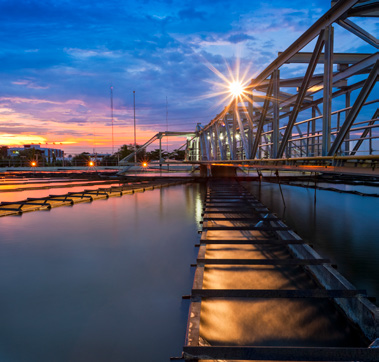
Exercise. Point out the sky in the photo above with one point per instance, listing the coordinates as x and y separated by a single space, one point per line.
59 60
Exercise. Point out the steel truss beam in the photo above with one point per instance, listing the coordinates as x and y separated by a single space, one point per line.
220 143
371 9
328 90
338 58
296 82
263 118
262 127
365 133
327 19
364 93
230 143
302 92
358 31
355 69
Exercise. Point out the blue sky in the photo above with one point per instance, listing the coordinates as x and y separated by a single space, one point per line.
59 58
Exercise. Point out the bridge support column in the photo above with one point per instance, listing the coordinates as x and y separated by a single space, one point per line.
217 171
328 90
160 152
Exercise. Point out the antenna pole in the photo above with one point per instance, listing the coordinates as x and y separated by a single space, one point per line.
135 134
167 124
112 118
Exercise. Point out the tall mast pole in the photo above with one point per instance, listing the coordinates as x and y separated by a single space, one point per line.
112 118
167 124
135 134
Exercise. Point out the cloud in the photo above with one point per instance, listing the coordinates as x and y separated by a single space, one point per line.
62 57
76 120
29 84
88 53
240 37
18 100
6 110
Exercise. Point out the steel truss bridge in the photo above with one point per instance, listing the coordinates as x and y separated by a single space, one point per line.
322 120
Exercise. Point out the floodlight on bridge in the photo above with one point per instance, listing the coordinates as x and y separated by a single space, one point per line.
236 89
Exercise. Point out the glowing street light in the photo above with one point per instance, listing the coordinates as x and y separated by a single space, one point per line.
144 164
91 163
33 163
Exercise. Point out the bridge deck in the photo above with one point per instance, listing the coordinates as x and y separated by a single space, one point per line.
252 295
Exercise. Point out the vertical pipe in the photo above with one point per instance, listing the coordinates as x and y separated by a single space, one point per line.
221 145
251 123
244 141
275 122
216 142
338 120
160 151
313 126
328 88
347 104
207 145
235 105
307 150
213 151
230 143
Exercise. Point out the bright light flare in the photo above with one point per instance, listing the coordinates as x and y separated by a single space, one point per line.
33 163
233 87
144 164
91 163
236 88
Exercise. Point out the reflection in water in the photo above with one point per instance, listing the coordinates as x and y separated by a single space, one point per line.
268 322
199 207
342 227
262 321
31 184
100 281
23 195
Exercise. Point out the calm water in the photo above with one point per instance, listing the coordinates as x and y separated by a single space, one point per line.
341 227
103 281
100 281
23 195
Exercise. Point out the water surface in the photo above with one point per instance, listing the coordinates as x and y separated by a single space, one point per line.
342 227
100 281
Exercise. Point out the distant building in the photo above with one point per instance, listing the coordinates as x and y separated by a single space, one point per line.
49 154
4 151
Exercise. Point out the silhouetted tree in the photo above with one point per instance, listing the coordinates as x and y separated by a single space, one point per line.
126 150
178 155
30 155
154 155
81 160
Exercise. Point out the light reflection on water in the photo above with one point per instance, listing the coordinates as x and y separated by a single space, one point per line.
29 184
100 281
342 227
23 195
